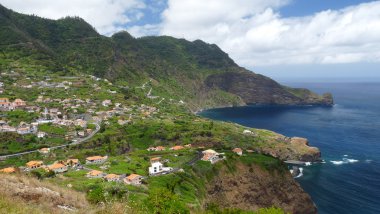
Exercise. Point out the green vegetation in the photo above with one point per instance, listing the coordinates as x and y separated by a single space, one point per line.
52 129
17 116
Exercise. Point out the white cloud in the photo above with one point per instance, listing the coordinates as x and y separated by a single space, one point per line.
254 33
107 16
144 30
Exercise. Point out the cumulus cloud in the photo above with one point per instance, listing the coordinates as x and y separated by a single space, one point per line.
107 16
254 33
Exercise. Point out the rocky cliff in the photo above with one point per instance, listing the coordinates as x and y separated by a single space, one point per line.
250 187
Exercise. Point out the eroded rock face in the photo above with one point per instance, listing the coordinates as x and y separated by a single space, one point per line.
294 148
310 154
258 89
251 188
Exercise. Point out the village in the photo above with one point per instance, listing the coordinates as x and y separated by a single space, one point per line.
94 166
64 117
77 118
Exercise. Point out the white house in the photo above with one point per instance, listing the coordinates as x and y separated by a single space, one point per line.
157 167
44 150
247 131
96 159
112 177
211 155
95 174
133 179
57 168
106 103
41 134
238 151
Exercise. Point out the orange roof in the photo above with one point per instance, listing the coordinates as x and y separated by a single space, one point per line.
159 148
19 100
155 159
207 156
209 151
177 147
72 161
95 158
44 149
111 176
34 163
133 176
4 99
56 166
8 170
94 173
237 150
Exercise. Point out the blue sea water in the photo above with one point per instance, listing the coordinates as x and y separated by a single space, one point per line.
348 134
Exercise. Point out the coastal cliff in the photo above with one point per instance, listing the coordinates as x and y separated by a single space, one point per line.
295 148
250 187
258 89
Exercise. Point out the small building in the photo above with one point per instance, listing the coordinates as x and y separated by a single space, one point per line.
238 151
72 162
133 179
8 170
44 150
246 131
210 155
95 174
151 149
157 167
58 168
19 103
158 148
25 130
96 159
175 148
112 177
41 134
106 103
81 133
34 164
5 104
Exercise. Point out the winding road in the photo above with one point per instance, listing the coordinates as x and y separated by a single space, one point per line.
74 142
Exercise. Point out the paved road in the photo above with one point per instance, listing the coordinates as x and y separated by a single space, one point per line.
74 142
195 159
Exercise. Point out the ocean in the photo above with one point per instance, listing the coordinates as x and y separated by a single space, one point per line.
348 135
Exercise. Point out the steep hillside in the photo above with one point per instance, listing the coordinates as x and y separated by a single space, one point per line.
201 74
249 187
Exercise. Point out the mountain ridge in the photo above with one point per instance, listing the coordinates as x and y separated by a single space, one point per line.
198 73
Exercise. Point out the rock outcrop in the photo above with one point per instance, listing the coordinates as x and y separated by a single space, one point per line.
286 148
251 188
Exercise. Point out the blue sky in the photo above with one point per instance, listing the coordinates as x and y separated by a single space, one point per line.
279 38
308 7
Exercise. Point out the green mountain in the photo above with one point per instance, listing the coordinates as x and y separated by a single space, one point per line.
200 74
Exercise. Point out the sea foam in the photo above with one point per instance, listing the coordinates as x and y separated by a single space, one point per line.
344 161
300 174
